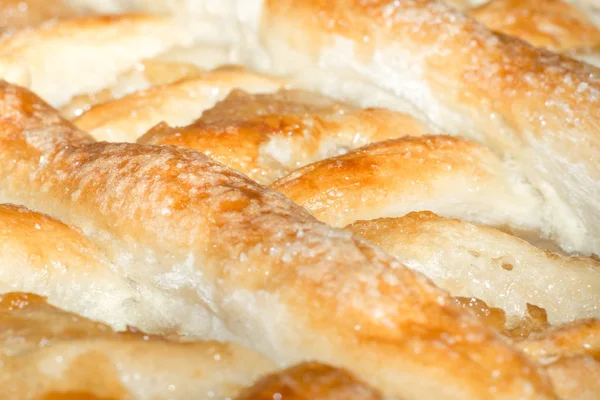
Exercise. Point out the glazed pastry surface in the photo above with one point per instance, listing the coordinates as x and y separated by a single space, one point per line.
314 199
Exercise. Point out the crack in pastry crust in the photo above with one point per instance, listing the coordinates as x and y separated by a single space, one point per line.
477 261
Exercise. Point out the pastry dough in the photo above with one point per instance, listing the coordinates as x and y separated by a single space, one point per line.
447 175
268 136
62 59
471 260
152 233
48 353
537 108
178 103
551 24
232 252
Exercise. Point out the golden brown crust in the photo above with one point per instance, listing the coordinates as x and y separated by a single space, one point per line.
178 103
309 381
60 59
536 107
143 75
266 136
208 238
472 260
330 296
571 355
18 14
551 24
23 111
447 175
52 354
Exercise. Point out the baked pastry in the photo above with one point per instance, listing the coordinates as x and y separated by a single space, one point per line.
529 105
64 356
484 128
551 24
471 260
19 14
496 92
237 251
267 136
49 353
104 46
447 175
127 118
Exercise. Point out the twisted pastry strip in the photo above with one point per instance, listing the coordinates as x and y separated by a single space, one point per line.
551 24
455 178
46 257
266 136
48 353
530 105
178 103
250 265
51 354
143 75
61 59
450 176
536 107
506 272
43 256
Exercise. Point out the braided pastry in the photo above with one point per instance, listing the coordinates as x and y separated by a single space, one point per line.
231 252
429 229
532 106
64 356
268 136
